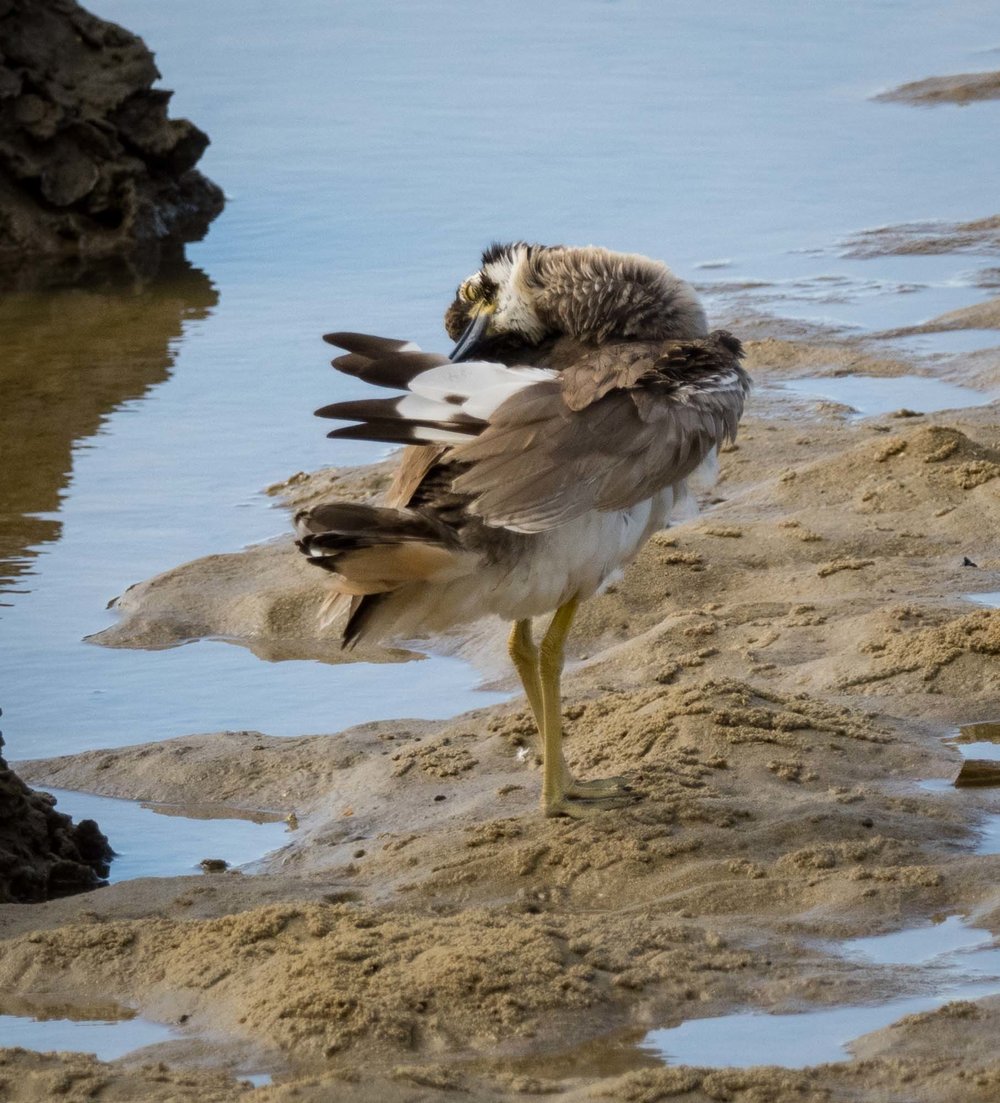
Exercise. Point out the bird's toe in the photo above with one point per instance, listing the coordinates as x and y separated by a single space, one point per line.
598 787
585 808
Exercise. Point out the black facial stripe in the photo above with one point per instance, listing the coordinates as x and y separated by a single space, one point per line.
499 251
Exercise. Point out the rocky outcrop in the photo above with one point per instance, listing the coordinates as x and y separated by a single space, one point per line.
92 171
42 852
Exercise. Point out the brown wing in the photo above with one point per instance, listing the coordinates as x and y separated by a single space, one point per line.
554 451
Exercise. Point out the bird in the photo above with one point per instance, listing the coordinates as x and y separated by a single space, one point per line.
583 391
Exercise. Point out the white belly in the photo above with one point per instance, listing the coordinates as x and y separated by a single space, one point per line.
577 558
548 569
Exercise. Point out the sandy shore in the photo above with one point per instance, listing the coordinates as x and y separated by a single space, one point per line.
960 88
773 678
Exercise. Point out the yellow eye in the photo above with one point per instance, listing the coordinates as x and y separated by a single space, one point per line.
470 291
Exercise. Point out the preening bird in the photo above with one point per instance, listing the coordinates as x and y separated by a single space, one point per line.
583 392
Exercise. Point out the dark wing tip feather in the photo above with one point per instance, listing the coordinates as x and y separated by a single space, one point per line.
351 363
387 409
396 431
365 343
396 370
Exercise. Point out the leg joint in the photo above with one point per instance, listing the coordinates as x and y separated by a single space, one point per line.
520 646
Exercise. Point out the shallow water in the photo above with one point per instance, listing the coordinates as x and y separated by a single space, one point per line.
990 599
107 1038
918 945
162 840
949 342
108 1032
977 743
979 740
954 966
368 159
869 395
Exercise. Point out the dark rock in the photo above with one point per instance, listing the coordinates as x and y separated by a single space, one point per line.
42 852
92 168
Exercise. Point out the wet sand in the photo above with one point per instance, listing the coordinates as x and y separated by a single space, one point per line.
774 679
960 88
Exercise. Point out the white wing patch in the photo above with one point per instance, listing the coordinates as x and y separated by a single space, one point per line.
444 404
476 387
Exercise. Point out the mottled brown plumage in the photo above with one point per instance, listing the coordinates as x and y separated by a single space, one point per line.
534 473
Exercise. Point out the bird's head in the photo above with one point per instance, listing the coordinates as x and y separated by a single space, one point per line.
524 294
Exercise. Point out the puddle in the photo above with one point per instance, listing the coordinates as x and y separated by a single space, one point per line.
979 745
869 395
150 845
108 1032
978 741
918 944
991 599
955 966
792 1041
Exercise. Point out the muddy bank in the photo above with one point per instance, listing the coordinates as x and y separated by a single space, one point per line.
93 172
42 852
770 678
981 235
978 316
773 678
960 88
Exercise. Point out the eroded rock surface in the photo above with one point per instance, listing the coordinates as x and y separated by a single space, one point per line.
42 852
91 168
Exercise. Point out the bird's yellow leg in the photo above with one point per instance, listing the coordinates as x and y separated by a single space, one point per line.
524 655
558 786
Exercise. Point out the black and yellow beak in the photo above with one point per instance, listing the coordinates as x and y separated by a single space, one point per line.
472 336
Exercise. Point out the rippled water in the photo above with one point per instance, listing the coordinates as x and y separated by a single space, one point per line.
369 151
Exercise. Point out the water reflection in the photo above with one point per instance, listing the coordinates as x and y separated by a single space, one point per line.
109 1031
146 846
70 357
960 968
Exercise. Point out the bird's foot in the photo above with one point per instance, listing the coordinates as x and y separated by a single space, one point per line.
582 809
597 787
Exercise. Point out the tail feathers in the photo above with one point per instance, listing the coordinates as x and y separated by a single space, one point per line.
442 403
365 344
393 370
373 550
409 417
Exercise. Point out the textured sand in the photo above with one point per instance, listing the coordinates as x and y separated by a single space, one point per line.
772 677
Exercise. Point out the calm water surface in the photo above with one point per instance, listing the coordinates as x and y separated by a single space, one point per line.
369 151
108 1038
958 962
138 830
